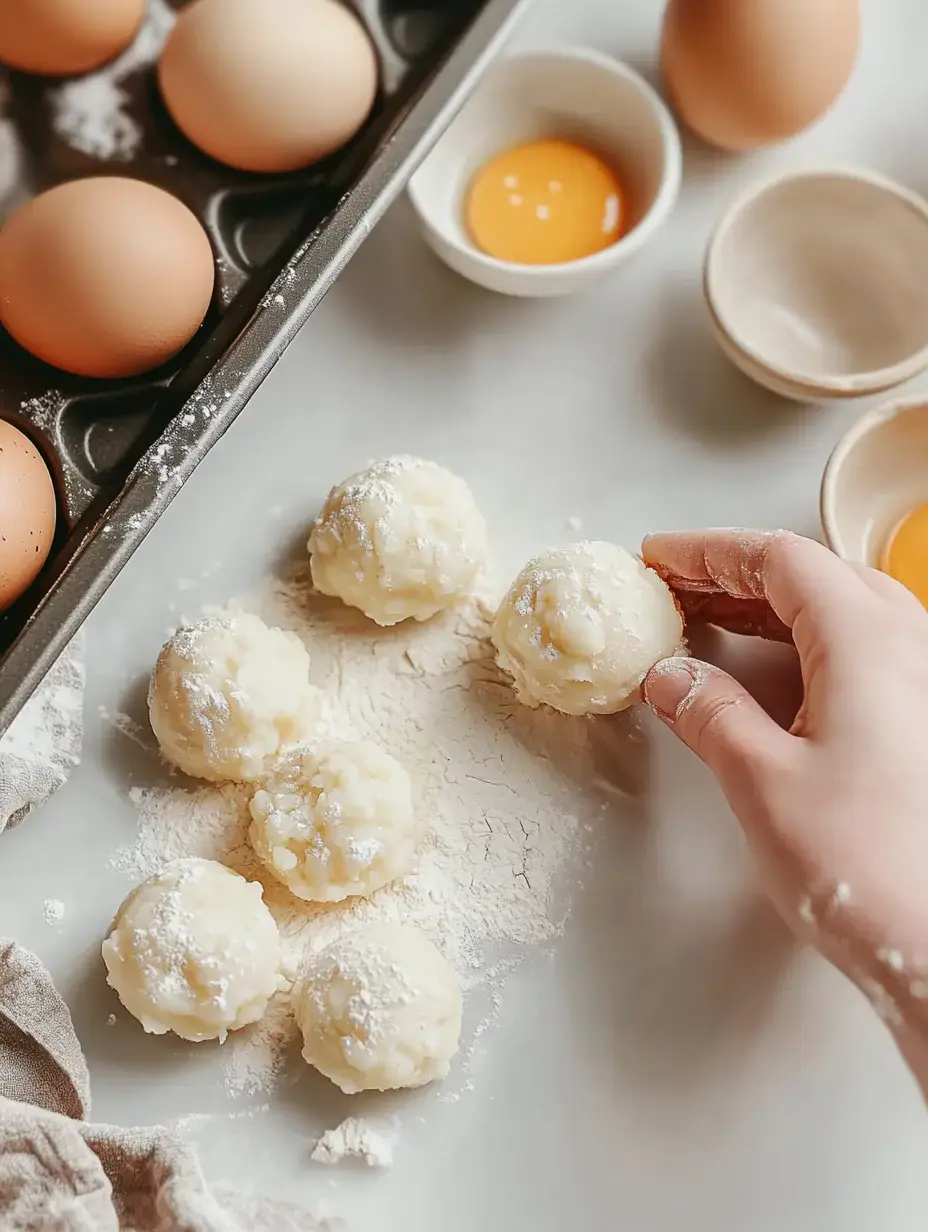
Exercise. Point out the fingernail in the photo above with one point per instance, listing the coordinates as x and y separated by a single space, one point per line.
668 686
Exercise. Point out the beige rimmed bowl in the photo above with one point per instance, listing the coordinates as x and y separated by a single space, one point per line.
817 284
877 474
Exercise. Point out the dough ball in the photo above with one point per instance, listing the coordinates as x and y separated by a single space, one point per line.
336 820
402 539
379 1009
194 950
582 626
268 85
229 694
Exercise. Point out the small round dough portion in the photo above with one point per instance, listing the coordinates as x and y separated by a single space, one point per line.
335 820
581 627
228 695
380 1009
194 950
402 539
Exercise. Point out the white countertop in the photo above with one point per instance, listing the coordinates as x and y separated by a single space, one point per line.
673 1061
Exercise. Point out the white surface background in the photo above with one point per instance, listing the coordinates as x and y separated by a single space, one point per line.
674 1061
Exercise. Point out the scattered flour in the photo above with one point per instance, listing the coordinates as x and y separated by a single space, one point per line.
893 959
193 1124
44 410
90 113
127 726
499 787
53 911
841 896
356 1138
43 743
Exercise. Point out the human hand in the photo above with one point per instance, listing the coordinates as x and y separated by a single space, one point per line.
836 809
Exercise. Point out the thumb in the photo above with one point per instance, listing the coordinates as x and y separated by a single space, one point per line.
720 721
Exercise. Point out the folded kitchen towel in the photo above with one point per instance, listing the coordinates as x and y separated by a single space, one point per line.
60 1173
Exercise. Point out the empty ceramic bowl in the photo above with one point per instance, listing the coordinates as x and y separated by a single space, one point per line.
877 474
575 94
817 284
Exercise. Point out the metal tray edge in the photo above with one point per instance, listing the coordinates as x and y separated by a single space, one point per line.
106 549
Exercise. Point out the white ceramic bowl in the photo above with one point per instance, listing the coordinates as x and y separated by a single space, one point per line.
574 93
817 284
877 474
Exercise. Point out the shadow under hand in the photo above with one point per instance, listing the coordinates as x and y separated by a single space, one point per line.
695 994
769 671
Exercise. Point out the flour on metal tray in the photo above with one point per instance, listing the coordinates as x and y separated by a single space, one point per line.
91 113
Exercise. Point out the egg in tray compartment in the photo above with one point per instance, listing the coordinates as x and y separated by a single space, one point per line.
141 244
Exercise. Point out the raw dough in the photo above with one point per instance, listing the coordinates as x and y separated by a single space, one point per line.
582 626
379 1009
194 950
335 820
229 694
401 539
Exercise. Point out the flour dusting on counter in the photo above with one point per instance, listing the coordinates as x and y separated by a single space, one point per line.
499 788
356 1138
53 910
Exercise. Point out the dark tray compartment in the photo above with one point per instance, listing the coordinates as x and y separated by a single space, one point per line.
121 450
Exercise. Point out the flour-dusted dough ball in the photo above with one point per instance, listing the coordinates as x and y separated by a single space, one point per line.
229 695
379 1009
402 539
194 950
335 820
582 626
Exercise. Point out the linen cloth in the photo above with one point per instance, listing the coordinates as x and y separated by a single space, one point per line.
60 1173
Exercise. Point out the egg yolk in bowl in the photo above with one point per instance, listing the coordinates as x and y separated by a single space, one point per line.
544 203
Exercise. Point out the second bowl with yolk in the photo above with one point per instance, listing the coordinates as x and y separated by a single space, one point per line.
561 166
874 496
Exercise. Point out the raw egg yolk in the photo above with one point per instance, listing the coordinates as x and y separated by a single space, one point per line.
543 203
905 556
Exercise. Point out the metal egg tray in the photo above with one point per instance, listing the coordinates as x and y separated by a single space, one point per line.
120 450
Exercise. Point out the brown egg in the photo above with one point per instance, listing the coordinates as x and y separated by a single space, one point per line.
27 513
269 86
66 36
104 277
748 73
